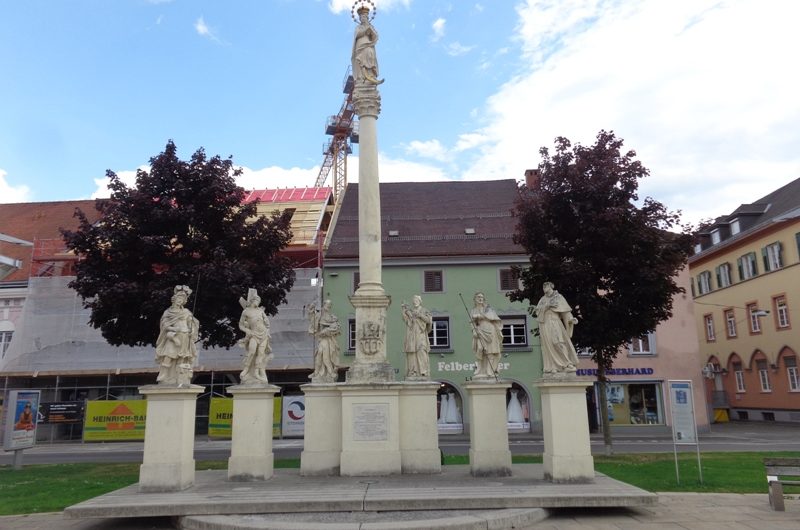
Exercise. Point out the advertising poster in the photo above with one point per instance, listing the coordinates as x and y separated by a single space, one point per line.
294 415
22 418
220 417
684 430
62 412
114 420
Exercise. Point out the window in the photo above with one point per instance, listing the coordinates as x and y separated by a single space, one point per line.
739 375
645 345
763 375
440 332
697 248
755 324
730 323
432 282
735 227
724 275
509 279
781 312
704 282
351 334
772 256
748 266
5 341
515 331
583 352
791 371
356 280
709 321
715 236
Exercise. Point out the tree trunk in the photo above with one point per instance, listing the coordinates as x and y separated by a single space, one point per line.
602 381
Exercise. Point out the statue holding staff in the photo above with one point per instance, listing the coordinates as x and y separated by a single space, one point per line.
256 341
176 352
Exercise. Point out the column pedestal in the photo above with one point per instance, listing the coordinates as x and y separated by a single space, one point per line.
489 455
419 431
370 429
168 461
322 441
565 424
251 440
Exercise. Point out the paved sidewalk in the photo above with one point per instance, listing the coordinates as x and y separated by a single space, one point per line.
685 511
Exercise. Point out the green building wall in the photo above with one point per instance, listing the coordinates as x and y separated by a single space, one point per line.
521 365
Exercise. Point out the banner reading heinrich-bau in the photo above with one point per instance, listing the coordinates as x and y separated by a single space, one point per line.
114 420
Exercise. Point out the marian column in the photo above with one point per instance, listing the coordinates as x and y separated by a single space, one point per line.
370 300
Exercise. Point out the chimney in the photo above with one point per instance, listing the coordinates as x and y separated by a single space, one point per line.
531 178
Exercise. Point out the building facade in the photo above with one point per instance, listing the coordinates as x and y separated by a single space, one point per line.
444 241
746 285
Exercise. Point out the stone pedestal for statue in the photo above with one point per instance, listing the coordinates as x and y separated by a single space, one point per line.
489 455
322 440
370 429
419 431
565 424
251 439
168 461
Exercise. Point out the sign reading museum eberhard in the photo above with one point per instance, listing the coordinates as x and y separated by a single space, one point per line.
370 422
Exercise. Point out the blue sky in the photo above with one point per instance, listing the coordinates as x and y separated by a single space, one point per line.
704 90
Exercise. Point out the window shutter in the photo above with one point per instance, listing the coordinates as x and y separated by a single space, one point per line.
433 281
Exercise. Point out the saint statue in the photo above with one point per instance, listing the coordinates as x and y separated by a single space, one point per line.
416 344
487 338
255 324
364 59
324 326
176 352
555 331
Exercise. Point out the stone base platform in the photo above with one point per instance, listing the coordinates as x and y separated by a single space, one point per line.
288 493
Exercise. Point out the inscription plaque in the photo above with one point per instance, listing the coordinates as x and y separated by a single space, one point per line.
371 422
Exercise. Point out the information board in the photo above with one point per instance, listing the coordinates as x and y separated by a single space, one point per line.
684 429
371 422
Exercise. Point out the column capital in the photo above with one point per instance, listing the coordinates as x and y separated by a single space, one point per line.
367 101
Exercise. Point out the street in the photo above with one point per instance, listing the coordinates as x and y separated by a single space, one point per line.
733 436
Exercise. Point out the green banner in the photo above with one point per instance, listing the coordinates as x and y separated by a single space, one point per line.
220 417
114 420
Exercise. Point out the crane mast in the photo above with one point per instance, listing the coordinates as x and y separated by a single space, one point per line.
343 131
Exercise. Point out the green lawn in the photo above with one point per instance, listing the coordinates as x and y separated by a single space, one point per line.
47 488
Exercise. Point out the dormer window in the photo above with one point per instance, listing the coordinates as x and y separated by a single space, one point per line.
716 237
735 227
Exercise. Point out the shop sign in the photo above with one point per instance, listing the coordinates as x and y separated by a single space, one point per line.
114 420
21 419
294 415
617 371
62 412
220 417
456 366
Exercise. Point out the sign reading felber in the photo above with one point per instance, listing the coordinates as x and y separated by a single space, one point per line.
114 420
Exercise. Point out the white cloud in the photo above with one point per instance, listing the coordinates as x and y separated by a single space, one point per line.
707 108
11 194
428 149
456 48
468 141
128 177
337 6
204 30
438 29
278 177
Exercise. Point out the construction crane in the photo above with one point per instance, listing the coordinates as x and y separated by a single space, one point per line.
343 130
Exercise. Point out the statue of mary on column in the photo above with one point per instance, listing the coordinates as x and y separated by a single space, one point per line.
364 58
